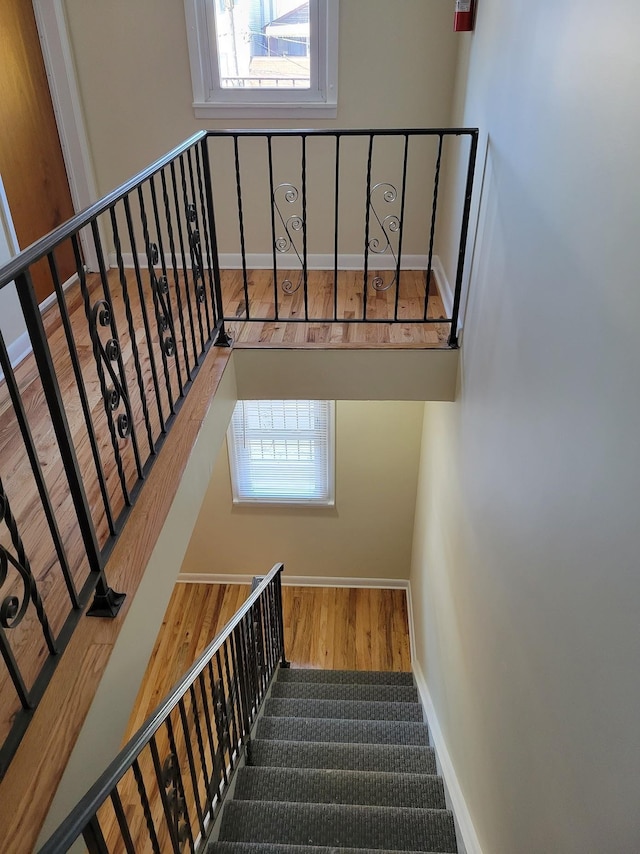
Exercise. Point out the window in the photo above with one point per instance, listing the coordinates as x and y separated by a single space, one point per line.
282 451
252 58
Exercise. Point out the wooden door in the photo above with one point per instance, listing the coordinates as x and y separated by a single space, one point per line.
31 162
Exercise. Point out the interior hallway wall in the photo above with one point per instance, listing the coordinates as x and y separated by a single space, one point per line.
396 69
525 569
368 532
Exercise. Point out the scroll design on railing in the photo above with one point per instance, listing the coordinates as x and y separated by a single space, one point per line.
164 319
390 225
196 252
105 355
293 225
13 606
175 800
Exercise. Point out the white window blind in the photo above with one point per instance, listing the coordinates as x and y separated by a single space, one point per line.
282 451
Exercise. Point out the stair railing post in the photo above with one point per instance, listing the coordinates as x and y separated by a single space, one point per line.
46 369
223 339
453 334
280 617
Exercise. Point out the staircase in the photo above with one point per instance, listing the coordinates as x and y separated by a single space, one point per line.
340 763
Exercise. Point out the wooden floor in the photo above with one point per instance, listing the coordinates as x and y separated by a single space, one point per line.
334 628
327 298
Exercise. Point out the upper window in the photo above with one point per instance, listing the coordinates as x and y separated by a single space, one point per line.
252 58
282 451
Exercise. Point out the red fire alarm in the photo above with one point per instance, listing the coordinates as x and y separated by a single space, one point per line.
463 20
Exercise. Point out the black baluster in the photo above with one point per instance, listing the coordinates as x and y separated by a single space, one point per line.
187 290
223 339
453 335
144 800
403 194
94 838
32 454
196 238
218 313
132 329
432 231
196 271
335 236
44 363
180 787
241 223
145 316
152 260
304 228
122 821
174 267
113 352
82 392
165 778
273 232
365 283
163 291
191 759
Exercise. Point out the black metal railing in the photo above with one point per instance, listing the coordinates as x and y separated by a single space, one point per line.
361 205
174 773
82 420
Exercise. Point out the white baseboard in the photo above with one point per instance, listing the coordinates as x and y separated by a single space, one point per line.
469 837
444 286
298 581
264 261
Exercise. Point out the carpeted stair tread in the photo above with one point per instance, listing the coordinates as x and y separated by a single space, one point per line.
402 828
291 707
372 788
261 848
352 732
407 759
344 691
349 677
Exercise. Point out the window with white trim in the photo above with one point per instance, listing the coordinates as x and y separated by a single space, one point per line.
282 451
253 58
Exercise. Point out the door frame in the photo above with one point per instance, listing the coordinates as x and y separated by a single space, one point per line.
52 27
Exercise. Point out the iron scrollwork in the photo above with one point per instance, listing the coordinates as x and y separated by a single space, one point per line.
13 606
175 800
109 352
160 286
390 225
293 225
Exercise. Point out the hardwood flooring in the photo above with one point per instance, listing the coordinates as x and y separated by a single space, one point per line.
343 299
332 628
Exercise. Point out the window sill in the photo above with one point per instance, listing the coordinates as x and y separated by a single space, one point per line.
305 110
263 502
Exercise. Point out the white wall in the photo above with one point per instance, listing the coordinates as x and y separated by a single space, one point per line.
12 323
525 569
396 69
366 535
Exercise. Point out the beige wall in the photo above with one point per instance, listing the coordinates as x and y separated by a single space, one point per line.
525 571
368 532
396 69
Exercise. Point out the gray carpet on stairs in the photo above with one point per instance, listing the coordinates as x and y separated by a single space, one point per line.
340 764
351 732
261 848
342 691
289 707
348 677
314 785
